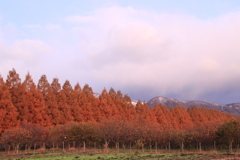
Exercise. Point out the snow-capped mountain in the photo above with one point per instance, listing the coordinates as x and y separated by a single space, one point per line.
234 105
96 95
233 108
169 102
134 102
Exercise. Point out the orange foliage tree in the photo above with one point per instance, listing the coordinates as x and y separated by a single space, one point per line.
35 103
50 100
18 95
8 112
183 119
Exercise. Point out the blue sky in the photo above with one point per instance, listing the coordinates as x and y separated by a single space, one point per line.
184 49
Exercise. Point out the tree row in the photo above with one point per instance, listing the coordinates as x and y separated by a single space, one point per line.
51 104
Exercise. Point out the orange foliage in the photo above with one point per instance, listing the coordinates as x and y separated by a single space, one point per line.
50 105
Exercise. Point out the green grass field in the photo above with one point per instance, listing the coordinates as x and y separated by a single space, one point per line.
122 156
112 154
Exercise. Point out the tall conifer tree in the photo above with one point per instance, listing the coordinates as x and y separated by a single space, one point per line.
18 95
50 100
35 102
8 112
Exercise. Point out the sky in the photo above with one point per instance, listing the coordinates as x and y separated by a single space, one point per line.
186 49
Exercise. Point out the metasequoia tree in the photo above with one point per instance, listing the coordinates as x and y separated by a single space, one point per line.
50 100
183 119
172 123
89 104
35 103
65 102
77 110
107 106
64 108
117 99
197 115
44 86
8 112
57 103
68 91
18 95
161 117
123 105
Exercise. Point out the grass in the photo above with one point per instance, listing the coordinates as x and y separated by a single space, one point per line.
129 157
114 155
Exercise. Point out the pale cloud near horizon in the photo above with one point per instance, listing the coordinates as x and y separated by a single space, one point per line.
79 19
53 27
33 26
165 52
22 54
47 27
133 49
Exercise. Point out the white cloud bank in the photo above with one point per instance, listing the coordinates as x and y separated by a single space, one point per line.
22 54
171 54
131 49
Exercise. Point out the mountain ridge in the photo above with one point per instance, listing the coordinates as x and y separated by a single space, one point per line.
233 108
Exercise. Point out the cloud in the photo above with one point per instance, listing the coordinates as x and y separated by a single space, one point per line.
23 52
140 52
53 27
171 54
79 19
33 26
48 27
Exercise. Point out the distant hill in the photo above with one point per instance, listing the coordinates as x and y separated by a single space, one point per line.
233 109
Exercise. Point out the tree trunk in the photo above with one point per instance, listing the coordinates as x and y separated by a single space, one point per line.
26 148
150 146
200 147
53 146
143 148
44 146
84 146
130 147
118 147
29 146
34 148
123 145
182 147
105 148
17 148
73 144
9 149
155 147
106 145
230 147
169 147
214 143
